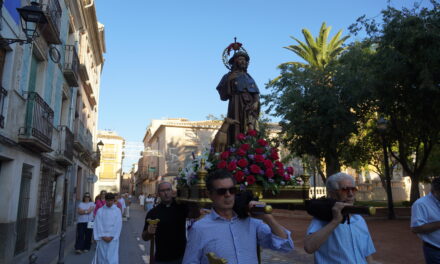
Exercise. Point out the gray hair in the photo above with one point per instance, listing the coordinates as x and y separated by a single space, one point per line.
163 182
333 181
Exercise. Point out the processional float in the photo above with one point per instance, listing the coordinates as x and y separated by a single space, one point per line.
243 150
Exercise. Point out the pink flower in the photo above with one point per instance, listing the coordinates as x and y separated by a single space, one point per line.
252 133
259 158
222 164
239 175
242 163
255 169
245 147
286 177
269 173
225 155
268 164
241 136
241 152
262 142
290 170
232 166
250 179
259 150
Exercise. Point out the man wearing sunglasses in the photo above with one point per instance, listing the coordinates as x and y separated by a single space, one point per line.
226 235
334 241
425 222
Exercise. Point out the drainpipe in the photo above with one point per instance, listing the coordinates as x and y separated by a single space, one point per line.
63 222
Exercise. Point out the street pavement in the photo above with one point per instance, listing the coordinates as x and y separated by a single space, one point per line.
133 250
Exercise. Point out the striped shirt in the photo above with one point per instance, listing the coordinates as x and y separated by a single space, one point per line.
234 240
424 211
348 243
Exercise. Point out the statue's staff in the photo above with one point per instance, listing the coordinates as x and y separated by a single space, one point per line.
153 237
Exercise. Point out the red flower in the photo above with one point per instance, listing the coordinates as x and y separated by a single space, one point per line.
286 177
259 150
245 147
280 171
279 164
262 142
222 164
269 173
232 166
241 136
241 152
242 163
239 175
252 133
274 155
255 169
268 164
259 158
225 155
290 170
250 179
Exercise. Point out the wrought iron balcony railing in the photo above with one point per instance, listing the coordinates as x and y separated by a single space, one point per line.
52 11
37 131
71 65
3 94
64 153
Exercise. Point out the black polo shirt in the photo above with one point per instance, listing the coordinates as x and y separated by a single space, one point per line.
170 233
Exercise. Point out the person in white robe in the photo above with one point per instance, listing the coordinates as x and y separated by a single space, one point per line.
106 231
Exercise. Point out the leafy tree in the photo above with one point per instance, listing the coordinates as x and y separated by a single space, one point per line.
404 82
314 120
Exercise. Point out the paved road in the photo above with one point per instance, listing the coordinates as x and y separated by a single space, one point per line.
132 249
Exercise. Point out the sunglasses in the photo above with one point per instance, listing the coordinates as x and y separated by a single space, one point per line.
348 189
222 191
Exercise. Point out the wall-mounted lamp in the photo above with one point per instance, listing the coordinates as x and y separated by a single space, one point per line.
31 16
100 146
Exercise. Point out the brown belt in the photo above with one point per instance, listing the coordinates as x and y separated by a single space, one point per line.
426 244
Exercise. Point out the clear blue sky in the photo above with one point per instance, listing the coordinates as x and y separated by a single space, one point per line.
164 57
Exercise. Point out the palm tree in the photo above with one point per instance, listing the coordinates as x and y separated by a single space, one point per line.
317 53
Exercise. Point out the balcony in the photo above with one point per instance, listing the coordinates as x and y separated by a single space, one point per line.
83 139
64 153
37 132
52 12
3 94
71 66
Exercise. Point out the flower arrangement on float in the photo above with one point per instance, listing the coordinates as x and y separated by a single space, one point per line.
188 175
251 160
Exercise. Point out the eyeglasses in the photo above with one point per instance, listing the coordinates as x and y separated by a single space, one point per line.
348 189
222 191
165 190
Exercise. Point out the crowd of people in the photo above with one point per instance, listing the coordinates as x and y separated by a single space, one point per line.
225 233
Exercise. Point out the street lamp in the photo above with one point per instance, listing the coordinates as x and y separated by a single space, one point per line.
100 146
382 127
31 16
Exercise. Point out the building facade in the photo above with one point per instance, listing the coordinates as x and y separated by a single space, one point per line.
110 169
49 92
169 145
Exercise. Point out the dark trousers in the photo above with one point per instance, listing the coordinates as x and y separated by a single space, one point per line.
432 254
83 237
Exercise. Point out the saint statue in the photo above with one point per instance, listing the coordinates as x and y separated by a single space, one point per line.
240 89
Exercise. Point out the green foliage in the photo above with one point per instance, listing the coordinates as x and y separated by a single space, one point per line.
318 53
404 82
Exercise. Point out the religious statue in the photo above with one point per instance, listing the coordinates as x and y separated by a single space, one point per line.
240 89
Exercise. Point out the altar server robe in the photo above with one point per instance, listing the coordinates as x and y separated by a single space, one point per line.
108 223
